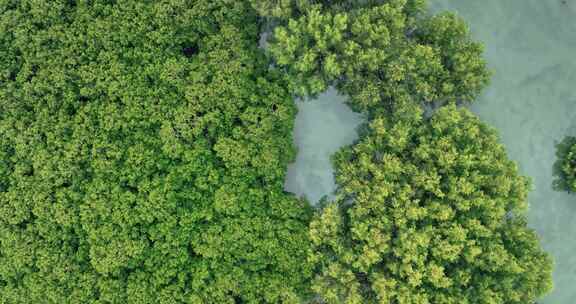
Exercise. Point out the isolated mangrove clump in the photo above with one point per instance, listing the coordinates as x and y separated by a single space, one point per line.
565 166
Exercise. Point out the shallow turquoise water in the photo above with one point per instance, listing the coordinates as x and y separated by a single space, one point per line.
531 47
323 125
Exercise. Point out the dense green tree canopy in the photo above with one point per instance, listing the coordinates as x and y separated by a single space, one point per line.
429 211
380 51
143 147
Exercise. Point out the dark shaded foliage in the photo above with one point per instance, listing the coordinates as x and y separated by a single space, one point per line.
190 51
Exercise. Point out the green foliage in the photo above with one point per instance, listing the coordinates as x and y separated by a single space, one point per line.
565 166
466 73
143 148
428 211
279 8
144 145
380 51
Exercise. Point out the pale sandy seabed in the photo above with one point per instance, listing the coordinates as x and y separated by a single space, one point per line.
531 47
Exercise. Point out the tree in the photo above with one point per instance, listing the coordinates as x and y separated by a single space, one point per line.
279 8
380 51
565 166
466 74
428 211
143 149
